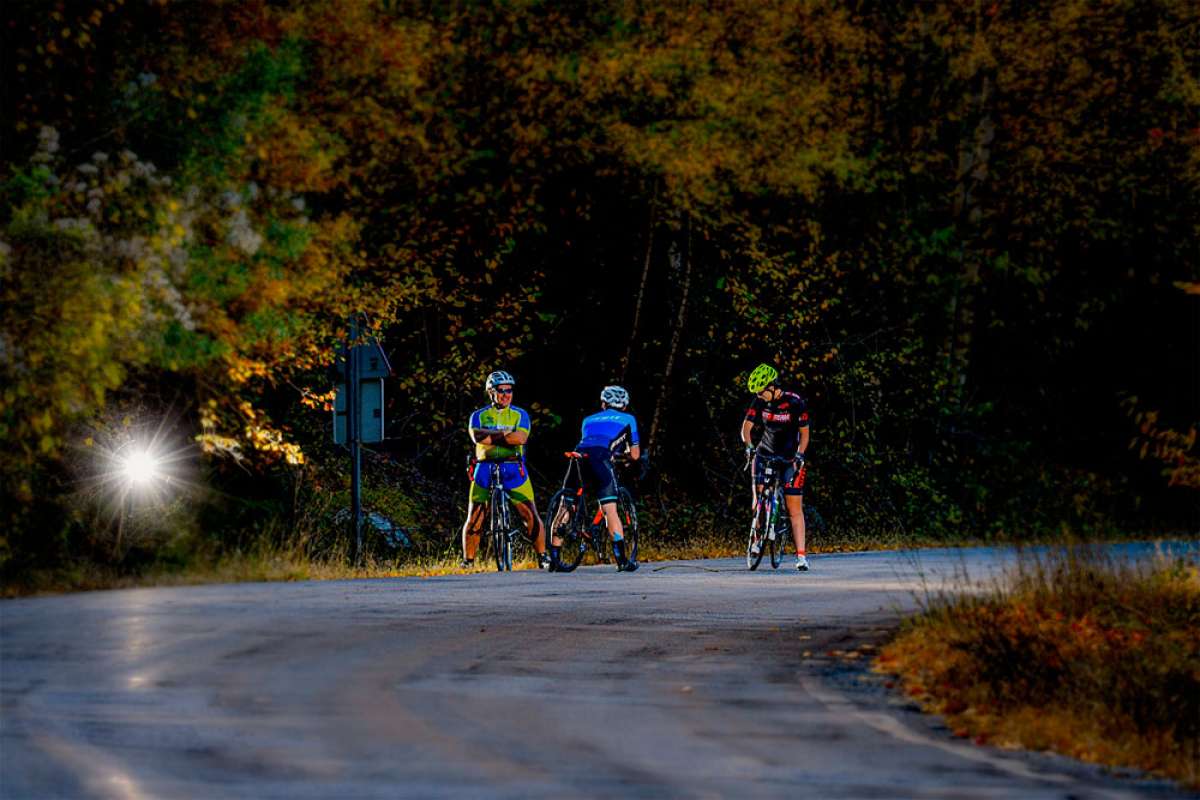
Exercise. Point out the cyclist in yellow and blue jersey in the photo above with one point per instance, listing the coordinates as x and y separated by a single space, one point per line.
499 432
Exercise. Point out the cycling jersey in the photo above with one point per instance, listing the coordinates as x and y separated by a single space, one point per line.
512 418
781 421
610 429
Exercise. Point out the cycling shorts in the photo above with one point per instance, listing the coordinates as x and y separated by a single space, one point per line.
513 477
793 479
598 475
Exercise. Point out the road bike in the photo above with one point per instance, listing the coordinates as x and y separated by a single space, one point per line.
567 519
504 525
770 527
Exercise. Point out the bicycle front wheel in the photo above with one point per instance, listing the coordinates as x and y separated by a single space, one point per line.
498 533
563 522
627 512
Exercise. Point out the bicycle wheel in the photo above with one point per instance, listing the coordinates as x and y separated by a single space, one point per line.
783 531
498 531
600 537
758 527
563 521
627 512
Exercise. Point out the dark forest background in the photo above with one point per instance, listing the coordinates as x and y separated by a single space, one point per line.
968 232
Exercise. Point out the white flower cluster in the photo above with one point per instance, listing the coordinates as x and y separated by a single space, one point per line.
241 233
106 193
100 185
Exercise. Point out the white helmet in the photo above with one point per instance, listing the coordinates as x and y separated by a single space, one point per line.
614 396
497 378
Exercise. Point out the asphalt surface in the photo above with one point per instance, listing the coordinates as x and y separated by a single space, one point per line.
684 679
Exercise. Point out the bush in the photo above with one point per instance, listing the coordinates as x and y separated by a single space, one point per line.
1078 652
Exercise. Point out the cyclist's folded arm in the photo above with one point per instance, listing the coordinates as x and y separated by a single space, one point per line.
486 434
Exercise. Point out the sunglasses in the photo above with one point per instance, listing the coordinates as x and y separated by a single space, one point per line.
503 391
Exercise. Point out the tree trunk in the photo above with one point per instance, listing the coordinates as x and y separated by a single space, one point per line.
675 336
973 160
637 308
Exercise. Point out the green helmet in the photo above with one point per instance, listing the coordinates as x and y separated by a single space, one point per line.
762 377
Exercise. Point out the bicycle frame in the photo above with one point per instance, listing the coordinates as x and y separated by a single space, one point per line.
501 530
764 525
591 531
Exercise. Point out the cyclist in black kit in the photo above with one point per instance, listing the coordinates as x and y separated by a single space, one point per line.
783 417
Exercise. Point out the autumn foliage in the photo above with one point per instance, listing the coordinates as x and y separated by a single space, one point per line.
957 226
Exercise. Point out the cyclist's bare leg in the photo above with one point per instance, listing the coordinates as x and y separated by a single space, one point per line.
795 509
472 528
612 519
533 525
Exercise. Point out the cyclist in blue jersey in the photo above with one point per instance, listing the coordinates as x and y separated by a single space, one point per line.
499 432
603 433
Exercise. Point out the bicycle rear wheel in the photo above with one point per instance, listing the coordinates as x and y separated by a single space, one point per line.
563 520
758 528
498 531
627 512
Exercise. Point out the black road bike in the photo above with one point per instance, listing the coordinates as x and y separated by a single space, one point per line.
567 519
505 526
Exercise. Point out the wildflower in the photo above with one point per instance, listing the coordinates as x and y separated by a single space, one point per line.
242 236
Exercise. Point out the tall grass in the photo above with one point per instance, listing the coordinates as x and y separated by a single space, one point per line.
1076 652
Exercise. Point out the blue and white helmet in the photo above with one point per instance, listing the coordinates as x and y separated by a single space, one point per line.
614 397
499 378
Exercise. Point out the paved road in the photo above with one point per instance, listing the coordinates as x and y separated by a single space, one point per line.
685 679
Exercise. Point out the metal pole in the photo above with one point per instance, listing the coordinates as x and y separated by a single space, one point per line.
352 438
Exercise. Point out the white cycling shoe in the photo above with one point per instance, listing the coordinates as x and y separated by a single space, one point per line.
801 564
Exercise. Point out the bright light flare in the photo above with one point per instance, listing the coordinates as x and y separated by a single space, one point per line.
138 467
141 467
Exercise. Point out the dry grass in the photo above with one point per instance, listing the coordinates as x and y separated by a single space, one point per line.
1077 653
292 564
